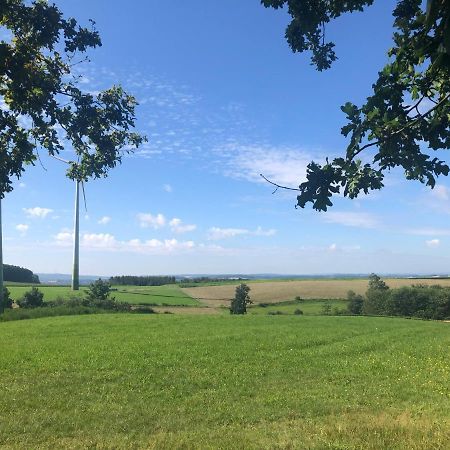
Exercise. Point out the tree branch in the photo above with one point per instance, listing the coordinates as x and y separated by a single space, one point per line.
278 186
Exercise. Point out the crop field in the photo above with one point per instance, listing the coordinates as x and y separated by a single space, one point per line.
158 295
168 381
279 291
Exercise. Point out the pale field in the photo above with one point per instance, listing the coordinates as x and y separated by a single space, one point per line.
278 291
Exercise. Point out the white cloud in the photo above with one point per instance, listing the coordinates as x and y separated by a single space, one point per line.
282 166
168 188
332 247
105 241
177 226
104 220
149 220
22 185
433 243
429 231
351 219
22 228
260 232
216 233
37 212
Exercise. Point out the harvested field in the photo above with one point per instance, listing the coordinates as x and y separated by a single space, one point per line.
278 291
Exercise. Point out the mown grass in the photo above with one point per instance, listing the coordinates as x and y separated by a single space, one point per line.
155 295
167 381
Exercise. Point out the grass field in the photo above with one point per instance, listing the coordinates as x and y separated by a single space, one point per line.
158 295
308 307
278 291
167 381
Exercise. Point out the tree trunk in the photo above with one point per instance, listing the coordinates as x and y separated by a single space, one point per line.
76 242
2 300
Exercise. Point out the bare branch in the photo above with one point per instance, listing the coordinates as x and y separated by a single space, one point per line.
278 186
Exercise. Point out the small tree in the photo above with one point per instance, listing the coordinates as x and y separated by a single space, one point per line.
355 303
7 300
326 308
32 299
241 300
376 296
99 290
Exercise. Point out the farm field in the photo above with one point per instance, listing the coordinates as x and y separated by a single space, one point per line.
279 291
158 295
167 381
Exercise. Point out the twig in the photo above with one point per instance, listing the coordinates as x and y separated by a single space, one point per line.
278 186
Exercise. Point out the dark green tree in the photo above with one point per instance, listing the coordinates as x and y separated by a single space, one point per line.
241 300
377 296
405 120
355 303
44 108
32 299
99 290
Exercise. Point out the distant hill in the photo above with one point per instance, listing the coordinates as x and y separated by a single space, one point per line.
65 279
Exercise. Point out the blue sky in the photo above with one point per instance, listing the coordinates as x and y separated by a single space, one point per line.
222 99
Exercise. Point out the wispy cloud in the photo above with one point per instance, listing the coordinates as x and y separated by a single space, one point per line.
216 233
429 231
433 243
147 220
37 212
351 219
104 220
284 166
108 242
168 188
22 228
177 226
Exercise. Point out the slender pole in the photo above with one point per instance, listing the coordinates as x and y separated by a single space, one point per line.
2 304
76 242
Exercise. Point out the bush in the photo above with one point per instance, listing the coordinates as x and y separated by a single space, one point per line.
355 303
326 308
275 313
99 290
32 299
298 312
241 300
298 299
143 310
7 300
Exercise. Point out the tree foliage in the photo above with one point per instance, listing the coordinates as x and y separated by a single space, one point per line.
241 300
33 298
142 280
42 105
19 274
407 118
98 290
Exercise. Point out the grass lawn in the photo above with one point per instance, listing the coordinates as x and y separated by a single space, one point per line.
158 295
168 381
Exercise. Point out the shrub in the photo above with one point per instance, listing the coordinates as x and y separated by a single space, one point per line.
275 313
298 299
143 310
355 303
241 299
32 299
298 312
99 290
326 308
7 300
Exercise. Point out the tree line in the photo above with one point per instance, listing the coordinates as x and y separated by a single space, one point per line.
142 280
425 302
19 274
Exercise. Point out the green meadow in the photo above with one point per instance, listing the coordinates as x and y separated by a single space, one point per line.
255 381
156 295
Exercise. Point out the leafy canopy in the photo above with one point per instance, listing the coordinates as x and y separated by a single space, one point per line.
41 105
407 118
